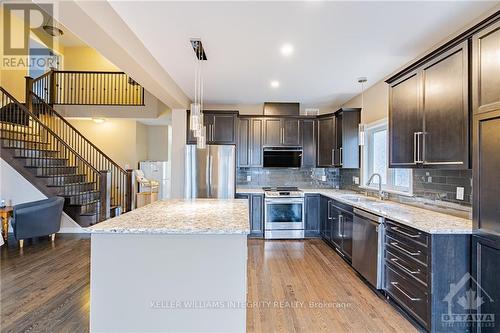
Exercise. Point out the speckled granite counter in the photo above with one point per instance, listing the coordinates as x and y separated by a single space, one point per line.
250 190
418 218
199 216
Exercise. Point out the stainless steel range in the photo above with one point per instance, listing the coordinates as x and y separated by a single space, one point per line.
283 213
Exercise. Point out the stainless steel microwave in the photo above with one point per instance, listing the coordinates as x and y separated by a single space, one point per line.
282 157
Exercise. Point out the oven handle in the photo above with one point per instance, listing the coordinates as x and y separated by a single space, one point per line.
286 201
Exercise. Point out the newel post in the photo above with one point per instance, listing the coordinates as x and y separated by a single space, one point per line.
52 87
105 197
28 99
130 191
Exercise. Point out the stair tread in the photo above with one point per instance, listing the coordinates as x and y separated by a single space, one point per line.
20 132
62 174
85 204
43 158
34 149
24 140
51 166
79 193
72 184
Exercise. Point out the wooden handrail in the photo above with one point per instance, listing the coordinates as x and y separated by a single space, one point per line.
40 100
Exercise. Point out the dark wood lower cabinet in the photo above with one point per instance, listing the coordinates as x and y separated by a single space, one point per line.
256 212
486 273
312 204
336 225
428 276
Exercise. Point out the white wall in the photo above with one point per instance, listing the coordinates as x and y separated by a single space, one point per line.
376 103
178 152
158 143
15 189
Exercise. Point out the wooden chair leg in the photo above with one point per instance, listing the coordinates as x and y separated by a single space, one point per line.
21 243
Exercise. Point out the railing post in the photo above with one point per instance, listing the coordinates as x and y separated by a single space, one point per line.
52 87
28 99
130 191
105 198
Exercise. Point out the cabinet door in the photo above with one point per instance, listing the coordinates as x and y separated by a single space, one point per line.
486 168
326 141
308 139
337 232
257 221
485 271
243 142
222 129
312 203
347 225
486 69
337 153
291 131
272 132
445 109
405 122
324 210
349 151
256 126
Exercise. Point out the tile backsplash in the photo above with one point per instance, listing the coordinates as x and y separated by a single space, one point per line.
304 177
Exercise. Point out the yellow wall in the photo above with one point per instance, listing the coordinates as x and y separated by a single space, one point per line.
84 58
376 103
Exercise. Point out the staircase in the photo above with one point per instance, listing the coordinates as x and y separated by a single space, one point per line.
59 161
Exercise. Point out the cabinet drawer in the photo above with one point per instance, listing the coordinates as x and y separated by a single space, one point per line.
401 247
408 233
407 294
412 268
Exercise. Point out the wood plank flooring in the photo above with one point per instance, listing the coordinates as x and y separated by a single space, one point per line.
293 286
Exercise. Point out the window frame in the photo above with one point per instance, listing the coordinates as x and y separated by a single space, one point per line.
366 133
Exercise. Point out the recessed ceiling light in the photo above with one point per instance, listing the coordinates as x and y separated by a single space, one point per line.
287 49
53 31
275 84
98 120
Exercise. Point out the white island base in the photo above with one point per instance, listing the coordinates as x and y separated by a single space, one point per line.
168 282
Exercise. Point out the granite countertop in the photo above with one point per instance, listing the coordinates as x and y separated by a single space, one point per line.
257 190
418 218
179 216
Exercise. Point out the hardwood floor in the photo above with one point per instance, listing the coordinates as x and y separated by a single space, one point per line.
294 286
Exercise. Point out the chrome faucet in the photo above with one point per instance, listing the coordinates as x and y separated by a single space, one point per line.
381 194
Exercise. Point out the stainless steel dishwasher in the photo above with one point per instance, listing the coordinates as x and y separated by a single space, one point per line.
367 246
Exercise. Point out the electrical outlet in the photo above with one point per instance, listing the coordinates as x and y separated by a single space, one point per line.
429 179
355 180
249 178
323 178
460 193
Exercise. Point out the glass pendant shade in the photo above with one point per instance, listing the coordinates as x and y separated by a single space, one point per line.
201 141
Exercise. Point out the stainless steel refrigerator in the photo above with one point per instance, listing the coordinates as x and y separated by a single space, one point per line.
210 172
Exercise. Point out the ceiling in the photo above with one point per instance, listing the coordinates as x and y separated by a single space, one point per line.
334 43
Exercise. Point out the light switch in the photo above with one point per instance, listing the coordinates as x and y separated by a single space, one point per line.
355 180
249 178
460 193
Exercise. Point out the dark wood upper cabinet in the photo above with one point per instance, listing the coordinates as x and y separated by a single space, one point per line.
347 151
405 121
445 106
221 127
486 69
250 142
308 142
282 132
326 141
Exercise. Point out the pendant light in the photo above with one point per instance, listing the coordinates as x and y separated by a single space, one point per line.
196 121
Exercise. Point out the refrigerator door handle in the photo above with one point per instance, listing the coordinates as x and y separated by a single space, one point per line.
210 172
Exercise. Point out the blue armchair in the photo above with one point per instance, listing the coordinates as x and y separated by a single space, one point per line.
38 218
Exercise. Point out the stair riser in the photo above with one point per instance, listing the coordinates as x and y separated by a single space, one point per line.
20 136
83 198
40 162
75 189
24 144
61 180
54 171
34 153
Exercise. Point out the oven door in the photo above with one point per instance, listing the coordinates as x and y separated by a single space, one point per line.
284 214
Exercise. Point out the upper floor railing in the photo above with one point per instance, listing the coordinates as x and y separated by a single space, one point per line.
87 88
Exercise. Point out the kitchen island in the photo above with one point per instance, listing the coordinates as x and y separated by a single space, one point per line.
174 265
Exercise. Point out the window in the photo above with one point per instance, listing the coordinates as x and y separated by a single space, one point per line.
375 159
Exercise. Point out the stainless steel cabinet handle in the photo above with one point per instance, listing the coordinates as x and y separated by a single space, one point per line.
396 262
341 222
395 284
415 147
405 233
329 210
405 250
333 156
341 158
213 132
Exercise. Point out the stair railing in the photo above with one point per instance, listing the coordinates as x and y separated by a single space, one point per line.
24 131
88 88
121 182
